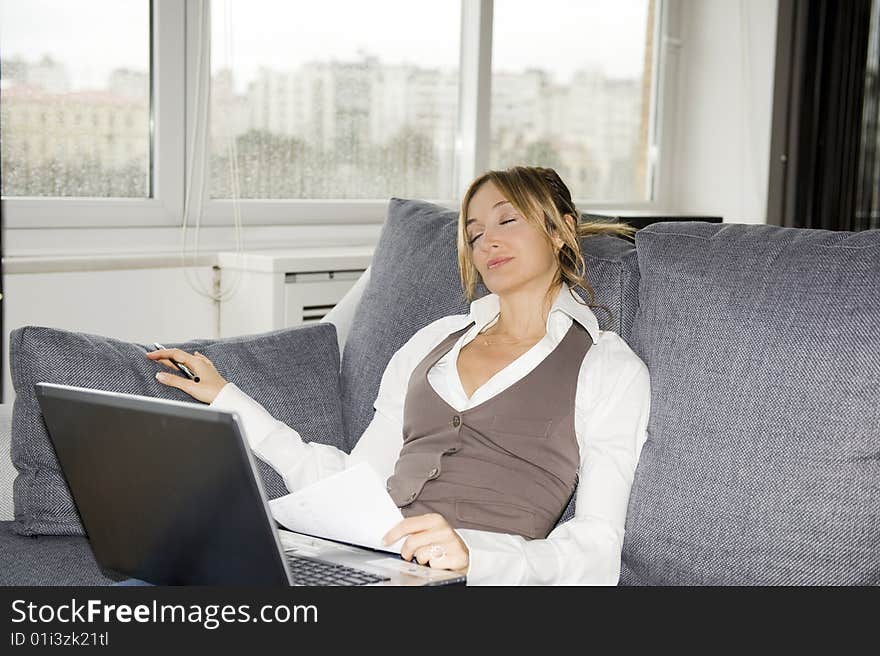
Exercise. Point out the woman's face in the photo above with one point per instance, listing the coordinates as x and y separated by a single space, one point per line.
509 252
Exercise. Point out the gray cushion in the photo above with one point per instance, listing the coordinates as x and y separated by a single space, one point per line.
293 373
414 280
7 471
613 271
48 560
762 464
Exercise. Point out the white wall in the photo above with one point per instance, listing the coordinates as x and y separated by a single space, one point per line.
139 305
719 156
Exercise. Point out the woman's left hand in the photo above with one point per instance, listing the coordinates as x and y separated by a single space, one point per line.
209 384
431 540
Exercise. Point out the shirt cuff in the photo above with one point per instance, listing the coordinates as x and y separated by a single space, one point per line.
256 422
224 397
487 563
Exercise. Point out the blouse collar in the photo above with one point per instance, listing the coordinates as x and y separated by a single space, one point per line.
485 309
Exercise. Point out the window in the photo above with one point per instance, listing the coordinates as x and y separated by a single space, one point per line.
571 85
867 210
46 72
319 112
352 103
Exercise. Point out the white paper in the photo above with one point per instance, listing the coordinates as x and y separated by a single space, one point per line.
351 506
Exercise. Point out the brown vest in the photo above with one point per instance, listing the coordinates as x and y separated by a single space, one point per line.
507 465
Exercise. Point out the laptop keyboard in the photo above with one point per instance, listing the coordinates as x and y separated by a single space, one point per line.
308 571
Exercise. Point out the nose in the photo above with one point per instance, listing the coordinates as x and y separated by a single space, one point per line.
490 238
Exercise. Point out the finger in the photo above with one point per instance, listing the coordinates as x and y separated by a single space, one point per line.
170 380
397 531
423 555
174 354
412 525
453 558
158 354
417 541
182 359
435 554
431 554
164 361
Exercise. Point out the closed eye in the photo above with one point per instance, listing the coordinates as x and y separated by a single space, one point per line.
476 237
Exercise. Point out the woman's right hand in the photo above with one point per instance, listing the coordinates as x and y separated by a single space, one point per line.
210 381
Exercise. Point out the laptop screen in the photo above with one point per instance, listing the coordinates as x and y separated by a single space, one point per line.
166 490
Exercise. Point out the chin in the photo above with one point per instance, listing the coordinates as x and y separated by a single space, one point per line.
499 286
502 285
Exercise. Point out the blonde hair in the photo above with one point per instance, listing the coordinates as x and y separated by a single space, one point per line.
539 195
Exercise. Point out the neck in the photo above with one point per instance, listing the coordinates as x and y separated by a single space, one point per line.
523 313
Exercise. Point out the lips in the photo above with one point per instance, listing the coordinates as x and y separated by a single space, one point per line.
497 261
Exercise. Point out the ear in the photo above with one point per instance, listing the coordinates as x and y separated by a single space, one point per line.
557 241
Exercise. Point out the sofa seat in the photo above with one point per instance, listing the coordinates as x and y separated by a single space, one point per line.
48 560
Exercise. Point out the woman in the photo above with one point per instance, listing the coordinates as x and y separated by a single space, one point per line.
486 423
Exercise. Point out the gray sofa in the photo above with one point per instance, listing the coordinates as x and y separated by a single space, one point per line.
762 464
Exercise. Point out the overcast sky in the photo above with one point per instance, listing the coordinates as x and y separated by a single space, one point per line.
95 36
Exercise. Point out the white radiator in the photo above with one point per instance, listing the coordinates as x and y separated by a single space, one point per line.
285 288
308 296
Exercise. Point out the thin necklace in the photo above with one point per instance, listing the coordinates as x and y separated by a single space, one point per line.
487 342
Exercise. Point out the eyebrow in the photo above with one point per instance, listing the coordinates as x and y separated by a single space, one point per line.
500 202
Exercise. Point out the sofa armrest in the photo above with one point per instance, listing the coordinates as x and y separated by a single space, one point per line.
7 471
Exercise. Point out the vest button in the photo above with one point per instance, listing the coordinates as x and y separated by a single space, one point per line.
456 421
412 496
434 473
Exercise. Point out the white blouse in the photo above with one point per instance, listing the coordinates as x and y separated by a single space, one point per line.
612 404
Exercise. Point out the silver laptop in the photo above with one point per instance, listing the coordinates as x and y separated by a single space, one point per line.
168 492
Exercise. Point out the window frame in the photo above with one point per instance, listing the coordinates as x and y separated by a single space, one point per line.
165 206
174 57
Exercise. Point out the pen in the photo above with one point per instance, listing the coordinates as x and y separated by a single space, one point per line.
182 367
